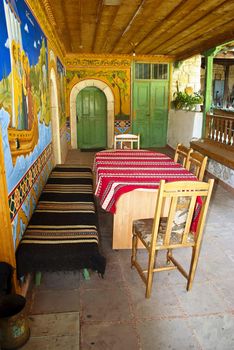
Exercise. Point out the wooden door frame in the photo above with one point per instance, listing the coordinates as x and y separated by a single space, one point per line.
110 109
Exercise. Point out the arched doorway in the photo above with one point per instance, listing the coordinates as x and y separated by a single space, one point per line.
110 109
91 118
55 118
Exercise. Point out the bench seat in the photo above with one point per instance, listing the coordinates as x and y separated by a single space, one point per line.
62 233
223 154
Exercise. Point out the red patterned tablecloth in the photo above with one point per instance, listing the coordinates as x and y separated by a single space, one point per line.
121 171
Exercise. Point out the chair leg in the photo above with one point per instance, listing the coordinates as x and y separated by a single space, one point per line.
193 267
134 249
169 254
150 273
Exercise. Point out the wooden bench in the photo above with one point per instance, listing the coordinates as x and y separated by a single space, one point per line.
62 233
218 143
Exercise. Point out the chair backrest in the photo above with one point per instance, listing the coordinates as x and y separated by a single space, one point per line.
196 163
181 154
188 203
127 139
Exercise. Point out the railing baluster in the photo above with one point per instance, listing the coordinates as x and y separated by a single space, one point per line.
220 129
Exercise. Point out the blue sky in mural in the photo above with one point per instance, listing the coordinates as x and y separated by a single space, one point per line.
60 67
31 32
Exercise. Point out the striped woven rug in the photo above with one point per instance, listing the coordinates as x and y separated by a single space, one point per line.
65 217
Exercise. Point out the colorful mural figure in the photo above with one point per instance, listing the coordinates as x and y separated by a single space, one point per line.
25 129
61 89
23 77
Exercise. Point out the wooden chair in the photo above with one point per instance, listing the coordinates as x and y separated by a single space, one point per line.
181 154
183 199
124 139
196 163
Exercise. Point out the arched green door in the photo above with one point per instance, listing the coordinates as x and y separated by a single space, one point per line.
91 111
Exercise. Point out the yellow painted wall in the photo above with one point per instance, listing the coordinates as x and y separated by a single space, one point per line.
115 71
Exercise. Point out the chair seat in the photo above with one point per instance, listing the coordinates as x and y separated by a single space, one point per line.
144 227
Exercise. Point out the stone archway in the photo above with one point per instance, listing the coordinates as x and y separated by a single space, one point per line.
55 118
110 109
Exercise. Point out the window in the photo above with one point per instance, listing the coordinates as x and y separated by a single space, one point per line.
151 71
142 71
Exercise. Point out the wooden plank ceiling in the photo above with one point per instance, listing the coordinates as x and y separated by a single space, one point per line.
180 28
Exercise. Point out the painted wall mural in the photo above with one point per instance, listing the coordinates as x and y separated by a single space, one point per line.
24 86
122 127
24 108
61 89
106 70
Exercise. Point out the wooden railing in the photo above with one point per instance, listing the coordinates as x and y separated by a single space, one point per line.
220 129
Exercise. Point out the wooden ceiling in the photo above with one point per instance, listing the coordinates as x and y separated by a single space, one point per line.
180 28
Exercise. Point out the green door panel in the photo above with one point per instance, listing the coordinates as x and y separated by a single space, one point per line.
159 112
150 109
141 111
91 118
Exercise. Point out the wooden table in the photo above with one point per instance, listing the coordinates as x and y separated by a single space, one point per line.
127 183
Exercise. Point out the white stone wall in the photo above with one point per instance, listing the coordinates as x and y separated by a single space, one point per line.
221 172
183 126
187 75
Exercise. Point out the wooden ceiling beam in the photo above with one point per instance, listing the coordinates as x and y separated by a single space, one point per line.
184 23
65 32
98 18
146 26
201 26
204 43
123 17
183 10
89 17
140 23
108 17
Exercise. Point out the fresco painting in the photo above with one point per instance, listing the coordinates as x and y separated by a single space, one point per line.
23 76
61 89
24 110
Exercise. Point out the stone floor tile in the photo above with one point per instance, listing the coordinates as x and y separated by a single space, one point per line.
51 301
60 280
162 303
214 332
52 343
225 287
113 276
57 324
103 305
218 265
202 299
164 334
109 337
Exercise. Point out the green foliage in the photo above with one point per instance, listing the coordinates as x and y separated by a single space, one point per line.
183 100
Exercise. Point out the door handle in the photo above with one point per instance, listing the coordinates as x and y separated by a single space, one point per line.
77 118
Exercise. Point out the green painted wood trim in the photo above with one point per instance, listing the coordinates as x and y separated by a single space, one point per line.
208 89
38 278
209 57
86 274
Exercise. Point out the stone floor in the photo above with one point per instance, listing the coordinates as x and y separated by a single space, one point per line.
69 312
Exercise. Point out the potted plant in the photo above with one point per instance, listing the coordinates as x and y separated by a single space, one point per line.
187 100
